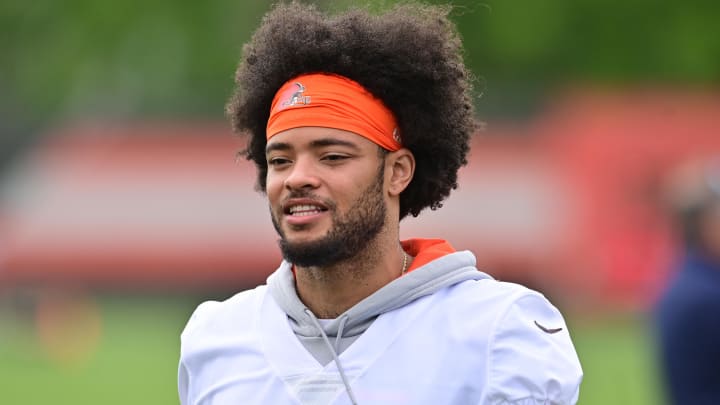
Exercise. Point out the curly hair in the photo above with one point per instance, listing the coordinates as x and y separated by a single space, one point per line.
409 57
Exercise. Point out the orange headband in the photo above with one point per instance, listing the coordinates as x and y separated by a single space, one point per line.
332 101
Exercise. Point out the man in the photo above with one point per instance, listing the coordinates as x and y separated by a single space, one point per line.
688 313
354 122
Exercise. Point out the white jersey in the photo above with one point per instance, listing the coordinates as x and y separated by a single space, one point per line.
474 342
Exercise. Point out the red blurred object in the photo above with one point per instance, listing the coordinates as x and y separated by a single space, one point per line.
569 203
152 204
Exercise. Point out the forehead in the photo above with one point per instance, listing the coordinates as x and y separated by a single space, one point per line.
318 137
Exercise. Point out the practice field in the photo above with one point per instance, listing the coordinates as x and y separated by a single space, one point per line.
115 350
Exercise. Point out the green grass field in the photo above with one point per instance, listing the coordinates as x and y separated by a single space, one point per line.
134 359
618 358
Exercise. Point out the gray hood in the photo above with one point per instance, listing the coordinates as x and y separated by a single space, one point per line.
425 280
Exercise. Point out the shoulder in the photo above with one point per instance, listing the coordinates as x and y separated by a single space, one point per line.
495 305
688 299
218 317
530 355
494 298
207 333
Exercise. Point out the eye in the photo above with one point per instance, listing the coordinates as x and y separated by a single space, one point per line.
334 157
277 161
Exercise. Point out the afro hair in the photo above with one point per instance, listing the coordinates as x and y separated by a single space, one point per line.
410 57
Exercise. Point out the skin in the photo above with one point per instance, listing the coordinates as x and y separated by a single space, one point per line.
335 167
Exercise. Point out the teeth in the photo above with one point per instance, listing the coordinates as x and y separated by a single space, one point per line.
301 210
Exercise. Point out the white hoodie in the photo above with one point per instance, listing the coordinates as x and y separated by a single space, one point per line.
444 333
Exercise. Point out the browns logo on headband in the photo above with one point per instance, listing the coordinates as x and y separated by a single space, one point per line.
332 101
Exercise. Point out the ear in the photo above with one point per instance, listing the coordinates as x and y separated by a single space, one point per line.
399 170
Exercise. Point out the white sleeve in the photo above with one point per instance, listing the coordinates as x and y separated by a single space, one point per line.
531 359
183 382
184 369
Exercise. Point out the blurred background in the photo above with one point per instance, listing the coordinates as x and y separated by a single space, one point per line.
123 205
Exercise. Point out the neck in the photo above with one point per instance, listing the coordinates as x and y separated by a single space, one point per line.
330 291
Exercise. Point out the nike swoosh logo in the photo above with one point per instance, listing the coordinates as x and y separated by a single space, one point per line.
547 330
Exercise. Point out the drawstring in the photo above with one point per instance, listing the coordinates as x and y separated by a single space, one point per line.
341 328
334 351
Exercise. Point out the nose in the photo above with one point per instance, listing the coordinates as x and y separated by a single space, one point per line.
302 175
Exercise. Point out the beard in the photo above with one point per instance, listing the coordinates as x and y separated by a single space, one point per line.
350 234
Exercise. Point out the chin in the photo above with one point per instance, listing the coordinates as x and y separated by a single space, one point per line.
307 238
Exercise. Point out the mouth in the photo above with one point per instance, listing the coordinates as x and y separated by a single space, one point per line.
303 210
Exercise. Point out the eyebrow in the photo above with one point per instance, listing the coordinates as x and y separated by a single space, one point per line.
318 143
277 146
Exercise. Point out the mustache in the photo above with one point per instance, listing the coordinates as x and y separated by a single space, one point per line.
302 194
306 194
